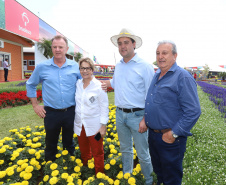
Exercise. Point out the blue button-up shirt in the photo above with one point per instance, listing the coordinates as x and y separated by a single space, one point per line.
58 83
131 81
172 102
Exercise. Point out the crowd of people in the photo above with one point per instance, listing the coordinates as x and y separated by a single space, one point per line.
155 111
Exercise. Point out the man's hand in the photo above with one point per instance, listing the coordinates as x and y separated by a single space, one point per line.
40 111
142 126
103 85
102 130
168 137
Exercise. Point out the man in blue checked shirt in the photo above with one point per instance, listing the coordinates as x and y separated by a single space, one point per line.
131 80
58 76
171 110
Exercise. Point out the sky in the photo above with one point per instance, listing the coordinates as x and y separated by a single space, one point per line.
198 27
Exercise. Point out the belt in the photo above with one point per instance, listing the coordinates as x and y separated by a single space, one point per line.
130 110
57 110
162 131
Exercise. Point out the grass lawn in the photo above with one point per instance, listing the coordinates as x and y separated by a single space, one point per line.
22 116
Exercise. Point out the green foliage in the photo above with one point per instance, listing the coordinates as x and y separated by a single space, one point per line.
45 46
206 70
77 56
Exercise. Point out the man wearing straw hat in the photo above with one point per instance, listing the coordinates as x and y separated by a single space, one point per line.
131 80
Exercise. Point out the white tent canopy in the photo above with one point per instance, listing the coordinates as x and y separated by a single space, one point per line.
217 69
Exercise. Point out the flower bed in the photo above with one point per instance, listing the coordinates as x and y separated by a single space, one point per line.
22 160
16 98
216 94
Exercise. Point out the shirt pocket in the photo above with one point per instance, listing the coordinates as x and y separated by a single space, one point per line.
91 99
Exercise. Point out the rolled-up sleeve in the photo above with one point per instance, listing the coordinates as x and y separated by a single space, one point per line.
32 83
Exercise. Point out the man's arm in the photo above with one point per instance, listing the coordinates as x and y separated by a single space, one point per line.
39 109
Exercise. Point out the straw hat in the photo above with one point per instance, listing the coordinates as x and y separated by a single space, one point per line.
126 33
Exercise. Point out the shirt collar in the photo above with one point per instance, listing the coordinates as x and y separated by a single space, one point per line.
135 59
51 62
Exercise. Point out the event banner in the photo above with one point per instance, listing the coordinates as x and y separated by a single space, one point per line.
2 14
21 21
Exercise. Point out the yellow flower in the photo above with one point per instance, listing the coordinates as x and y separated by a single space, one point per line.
22 173
91 165
131 180
2 150
10 172
110 181
112 162
120 175
64 175
31 151
2 174
29 169
101 183
70 183
53 180
35 139
58 155
20 162
117 182
27 176
46 178
53 166
1 162
78 161
24 183
77 169
126 175
107 166
70 179
64 152
24 165
99 175
65 168
55 173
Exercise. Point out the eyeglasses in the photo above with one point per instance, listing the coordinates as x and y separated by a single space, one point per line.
85 68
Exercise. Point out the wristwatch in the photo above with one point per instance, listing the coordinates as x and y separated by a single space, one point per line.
174 135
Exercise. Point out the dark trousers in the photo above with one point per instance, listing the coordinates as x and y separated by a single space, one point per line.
54 122
5 74
167 158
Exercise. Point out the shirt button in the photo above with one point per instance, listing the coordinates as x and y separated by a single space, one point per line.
147 122
145 113
151 94
148 103
155 85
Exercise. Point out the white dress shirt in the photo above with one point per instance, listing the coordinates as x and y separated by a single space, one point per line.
91 107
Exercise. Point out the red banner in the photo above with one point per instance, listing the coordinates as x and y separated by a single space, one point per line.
21 21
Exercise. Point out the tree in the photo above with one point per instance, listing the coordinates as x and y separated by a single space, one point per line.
45 46
206 70
77 56
155 63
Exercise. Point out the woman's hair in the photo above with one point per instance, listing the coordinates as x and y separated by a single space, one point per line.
88 60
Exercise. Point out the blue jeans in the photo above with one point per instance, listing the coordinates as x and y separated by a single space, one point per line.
167 158
127 125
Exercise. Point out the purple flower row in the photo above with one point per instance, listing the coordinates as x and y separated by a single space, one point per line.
216 95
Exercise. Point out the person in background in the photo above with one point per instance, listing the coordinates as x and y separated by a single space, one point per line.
195 76
171 109
6 69
91 115
58 76
131 80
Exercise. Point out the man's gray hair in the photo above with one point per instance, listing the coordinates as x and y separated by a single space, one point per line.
174 47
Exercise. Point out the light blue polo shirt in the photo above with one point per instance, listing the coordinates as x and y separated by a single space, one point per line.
131 81
58 83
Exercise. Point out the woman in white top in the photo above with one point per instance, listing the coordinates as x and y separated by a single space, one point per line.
91 115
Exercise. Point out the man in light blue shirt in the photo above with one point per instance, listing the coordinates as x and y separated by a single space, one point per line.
58 76
131 80
171 110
